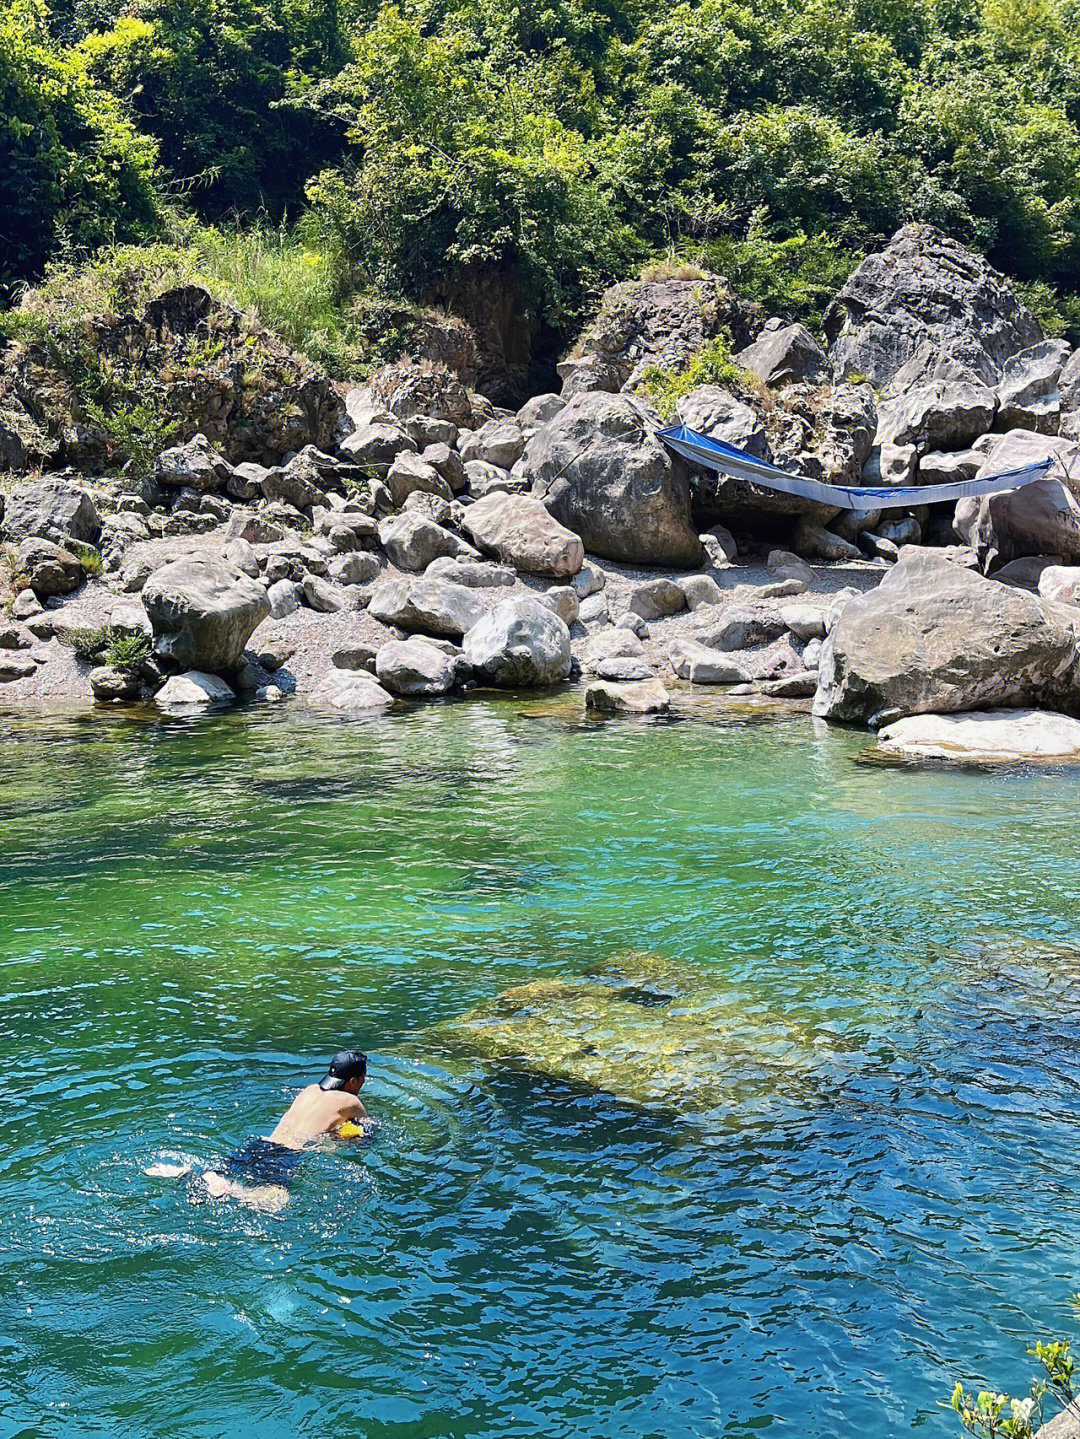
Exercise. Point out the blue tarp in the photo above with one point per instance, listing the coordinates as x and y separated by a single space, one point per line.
730 460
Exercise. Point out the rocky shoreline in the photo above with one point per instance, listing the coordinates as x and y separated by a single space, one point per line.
422 541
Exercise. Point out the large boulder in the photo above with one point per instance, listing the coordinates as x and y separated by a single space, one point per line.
521 644
410 389
427 606
1042 518
203 610
523 533
937 638
195 465
784 354
601 472
923 287
52 508
654 322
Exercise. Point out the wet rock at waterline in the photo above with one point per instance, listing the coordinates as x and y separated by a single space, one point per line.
414 668
521 644
648 1031
937 638
350 691
644 696
203 610
985 737
194 690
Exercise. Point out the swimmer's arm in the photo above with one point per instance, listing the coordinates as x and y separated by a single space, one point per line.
353 1124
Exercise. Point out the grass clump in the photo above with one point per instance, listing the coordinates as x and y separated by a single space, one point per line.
107 645
712 365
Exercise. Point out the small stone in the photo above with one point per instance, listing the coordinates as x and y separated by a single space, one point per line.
321 595
701 590
14 637
786 566
622 668
359 567
15 665
284 596
588 581
781 590
804 621
702 665
359 656
269 694
564 601
800 685
634 623
594 610
272 653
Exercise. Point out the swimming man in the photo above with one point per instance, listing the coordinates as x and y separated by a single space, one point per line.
258 1174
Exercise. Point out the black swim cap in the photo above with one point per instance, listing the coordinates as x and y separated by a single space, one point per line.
347 1064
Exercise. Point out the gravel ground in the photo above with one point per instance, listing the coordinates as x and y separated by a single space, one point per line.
60 681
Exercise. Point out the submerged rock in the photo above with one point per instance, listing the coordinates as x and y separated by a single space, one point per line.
650 1031
645 696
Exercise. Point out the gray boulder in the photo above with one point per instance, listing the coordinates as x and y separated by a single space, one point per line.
521 644
705 664
357 567
48 569
350 691
656 599
51 508
483 479
539 410
1028 394
412 541
203 610
195 465
523 533
414 668
1042 518
601 472
427 606
446 462
498 442
476 574
937 638
411 474
784 354
654 322
925 287
377 444
644 697
718 413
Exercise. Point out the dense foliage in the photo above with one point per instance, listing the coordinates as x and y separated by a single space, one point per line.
776 141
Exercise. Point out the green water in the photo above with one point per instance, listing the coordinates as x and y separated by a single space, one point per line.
193 916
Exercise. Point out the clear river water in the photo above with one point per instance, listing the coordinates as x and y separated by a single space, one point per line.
193 916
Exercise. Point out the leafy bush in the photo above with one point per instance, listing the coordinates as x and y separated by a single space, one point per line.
989 1415
107 645
74 171
712 365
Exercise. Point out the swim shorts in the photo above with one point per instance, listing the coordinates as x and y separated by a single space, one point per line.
261 1161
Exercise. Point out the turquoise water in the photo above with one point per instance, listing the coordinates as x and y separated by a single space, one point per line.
195 915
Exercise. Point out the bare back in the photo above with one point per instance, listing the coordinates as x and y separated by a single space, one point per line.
315 1111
